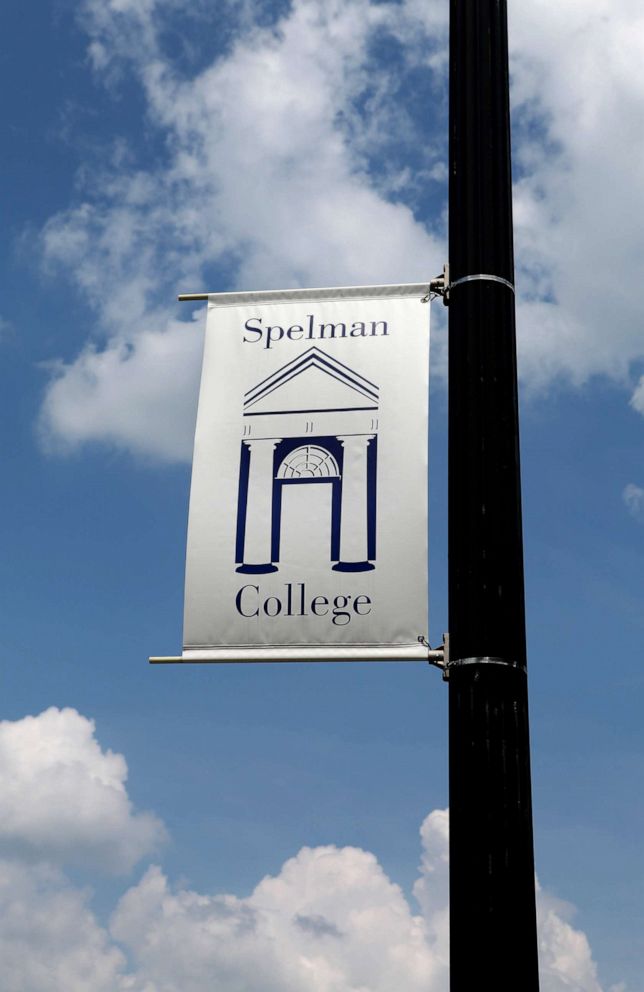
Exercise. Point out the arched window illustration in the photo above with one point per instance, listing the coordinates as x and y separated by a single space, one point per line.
314 389
309 462
346 463
305 465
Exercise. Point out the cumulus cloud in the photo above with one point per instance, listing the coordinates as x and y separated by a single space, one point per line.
578 193
138 394
330 920
432 886
269 178
565 959
293 158
359 931
49 938
64 798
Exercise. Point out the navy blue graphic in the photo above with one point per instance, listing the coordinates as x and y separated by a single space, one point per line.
289 446
300 477
314 357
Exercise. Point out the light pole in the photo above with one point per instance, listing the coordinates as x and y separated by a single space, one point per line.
492 897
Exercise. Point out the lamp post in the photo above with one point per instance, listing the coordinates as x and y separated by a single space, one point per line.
492 896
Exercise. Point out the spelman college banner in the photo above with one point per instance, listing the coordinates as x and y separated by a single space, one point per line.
307 534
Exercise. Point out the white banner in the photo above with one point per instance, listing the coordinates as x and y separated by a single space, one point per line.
307 534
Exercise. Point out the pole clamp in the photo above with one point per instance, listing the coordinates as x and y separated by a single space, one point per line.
439 658
485 277
441 285
484 660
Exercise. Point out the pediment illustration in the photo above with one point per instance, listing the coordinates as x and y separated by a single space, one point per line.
312 382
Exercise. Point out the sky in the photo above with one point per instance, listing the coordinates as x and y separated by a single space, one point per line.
277 828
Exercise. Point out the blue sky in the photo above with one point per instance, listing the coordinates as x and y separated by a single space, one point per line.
155 147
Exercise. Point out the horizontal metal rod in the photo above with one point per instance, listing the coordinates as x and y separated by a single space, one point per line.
179 660
321 293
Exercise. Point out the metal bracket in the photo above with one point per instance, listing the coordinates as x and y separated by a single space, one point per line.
439 286
438 657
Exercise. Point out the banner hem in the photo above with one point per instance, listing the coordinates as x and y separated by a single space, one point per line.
265 297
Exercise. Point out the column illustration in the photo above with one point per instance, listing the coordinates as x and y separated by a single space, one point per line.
354 512
259 507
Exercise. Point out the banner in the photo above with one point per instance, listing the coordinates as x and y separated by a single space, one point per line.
307 535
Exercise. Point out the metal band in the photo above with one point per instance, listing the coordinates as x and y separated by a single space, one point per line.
486 661
479 276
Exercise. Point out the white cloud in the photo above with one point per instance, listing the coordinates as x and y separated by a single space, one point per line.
633 497
637 399
290 161
50 939
329 921
267 173
64 798
578 97
432 886
565 959
139 394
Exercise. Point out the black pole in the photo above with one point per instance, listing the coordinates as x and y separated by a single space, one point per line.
492 898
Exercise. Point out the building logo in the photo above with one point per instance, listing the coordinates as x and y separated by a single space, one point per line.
313 422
